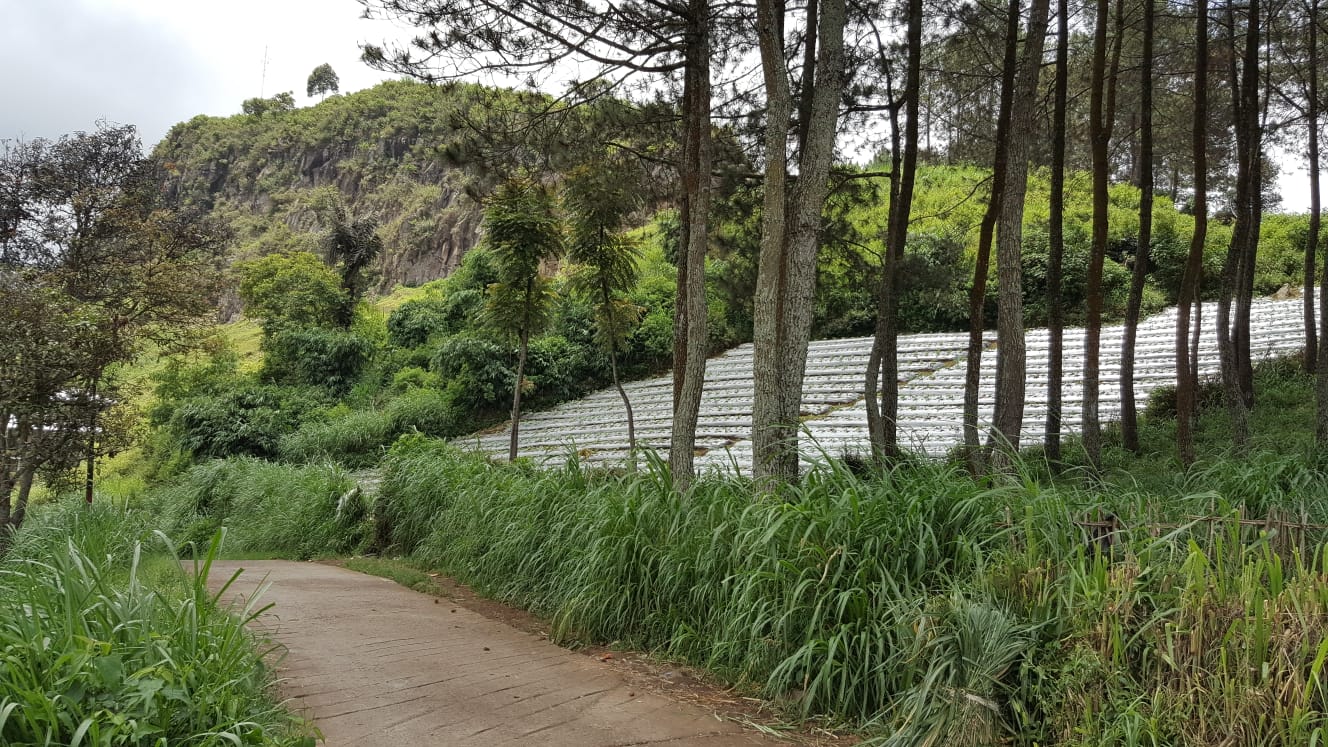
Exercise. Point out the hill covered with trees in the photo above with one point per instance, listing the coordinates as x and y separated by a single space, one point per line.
401 153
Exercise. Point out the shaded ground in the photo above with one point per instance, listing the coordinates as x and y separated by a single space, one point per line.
373 663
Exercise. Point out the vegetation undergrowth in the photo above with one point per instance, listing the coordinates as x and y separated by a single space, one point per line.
268 509
915 601
104 644
404 572
1162 606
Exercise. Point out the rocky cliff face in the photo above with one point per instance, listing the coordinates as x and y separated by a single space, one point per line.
392 153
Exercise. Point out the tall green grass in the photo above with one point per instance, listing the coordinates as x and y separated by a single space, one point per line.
102 645
916 603
290 511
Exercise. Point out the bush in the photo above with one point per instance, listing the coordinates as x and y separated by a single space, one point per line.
418 320
414 377
426 411
356 439
1162 400
314 356
560 370
478 371
249 420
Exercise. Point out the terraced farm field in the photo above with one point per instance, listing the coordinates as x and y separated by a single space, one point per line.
931 393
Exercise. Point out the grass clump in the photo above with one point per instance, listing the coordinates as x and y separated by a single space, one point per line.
296 511
103 645
359 438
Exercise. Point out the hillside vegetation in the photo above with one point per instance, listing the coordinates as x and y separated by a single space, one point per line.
408 156
396 152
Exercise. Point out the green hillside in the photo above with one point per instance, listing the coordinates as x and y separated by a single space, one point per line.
397 153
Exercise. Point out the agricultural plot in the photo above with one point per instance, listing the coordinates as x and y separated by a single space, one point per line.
931 393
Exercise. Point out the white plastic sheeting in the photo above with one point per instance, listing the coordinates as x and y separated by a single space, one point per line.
931 394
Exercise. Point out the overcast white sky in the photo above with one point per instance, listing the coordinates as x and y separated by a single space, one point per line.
152 63
64 64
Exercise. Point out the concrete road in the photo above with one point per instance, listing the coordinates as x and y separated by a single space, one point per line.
373 663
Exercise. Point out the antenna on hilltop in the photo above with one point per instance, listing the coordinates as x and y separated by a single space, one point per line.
262 85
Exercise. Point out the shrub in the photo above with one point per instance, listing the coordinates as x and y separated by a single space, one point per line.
1162 400
249 420
414 377
314 356
416 321
478 371
426 411
356 439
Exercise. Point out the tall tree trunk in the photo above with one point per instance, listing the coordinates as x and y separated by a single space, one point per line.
882 413
1102 116
1186 363
606 298
1233 336
1321 373
1312 241
7 485
523 346
1013 367
792 285
977 295
769 435
1129 416
1056 241
90 450
21 501
884 432
689 320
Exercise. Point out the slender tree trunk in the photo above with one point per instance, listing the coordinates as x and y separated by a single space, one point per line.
882 414
606 298
769 436
1103 110
627 404
90 452
885 432
775 413
1312 241
1245 300
689 321
21 502
1056 241
977 295
1232 335
7 485
1187 359
516 391
1129 416
1013 367
1321 373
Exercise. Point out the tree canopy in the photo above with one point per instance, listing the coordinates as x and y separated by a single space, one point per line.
95 265
322 81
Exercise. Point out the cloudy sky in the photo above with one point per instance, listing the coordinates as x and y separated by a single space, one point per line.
64 64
